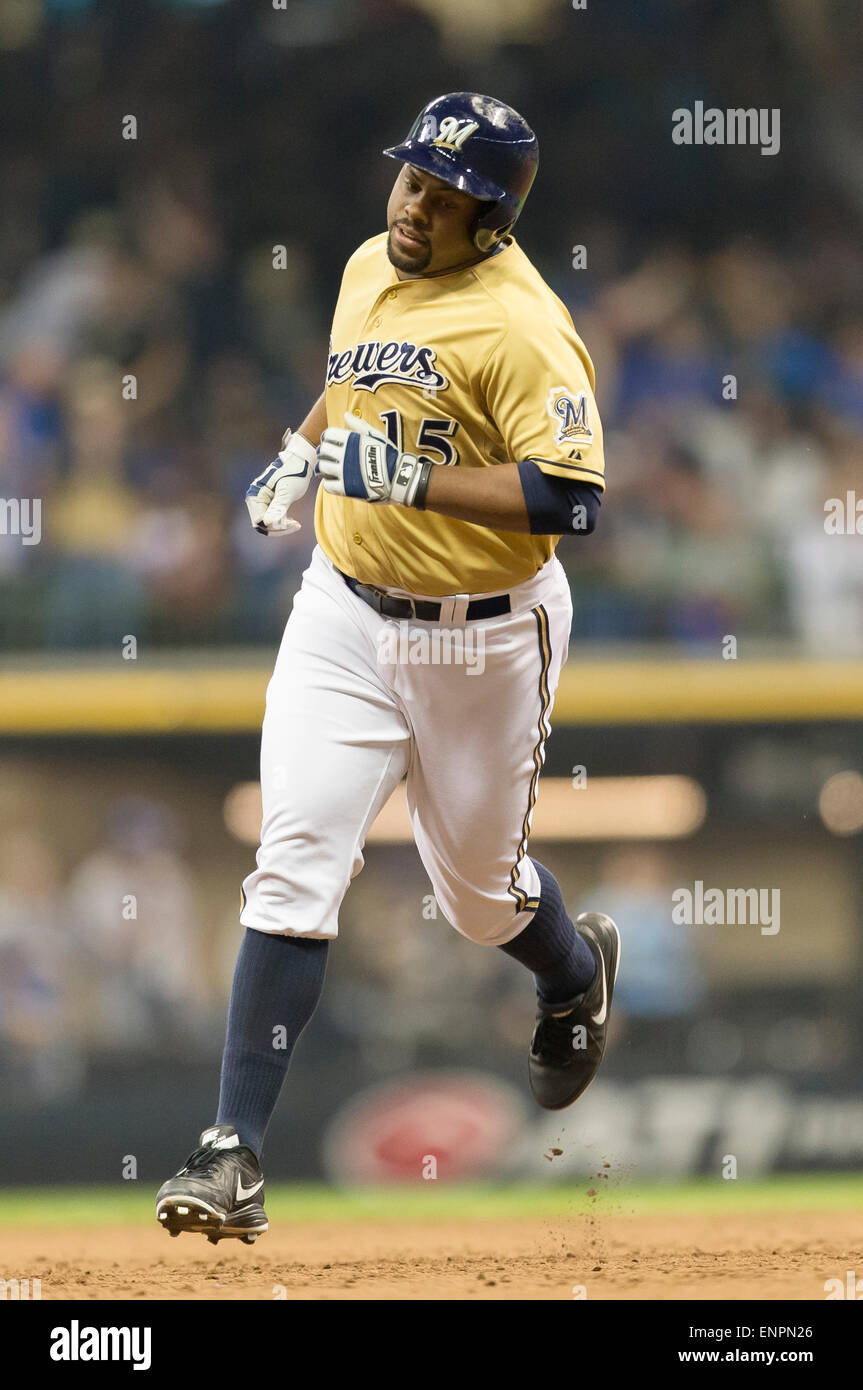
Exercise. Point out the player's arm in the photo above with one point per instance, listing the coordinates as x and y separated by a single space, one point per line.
284 481
513 497
315 422
538 389
360 462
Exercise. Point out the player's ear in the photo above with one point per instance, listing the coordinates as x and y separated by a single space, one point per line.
481 238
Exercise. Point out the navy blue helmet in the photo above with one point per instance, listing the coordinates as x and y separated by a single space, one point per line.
481 146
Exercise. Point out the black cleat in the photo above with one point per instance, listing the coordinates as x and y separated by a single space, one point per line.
569 1039
218 1192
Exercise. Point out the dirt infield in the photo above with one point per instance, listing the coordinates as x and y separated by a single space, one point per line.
763 1256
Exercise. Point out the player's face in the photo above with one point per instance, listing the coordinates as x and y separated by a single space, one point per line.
429 224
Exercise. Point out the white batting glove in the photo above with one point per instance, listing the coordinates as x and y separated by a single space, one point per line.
282 483
361 462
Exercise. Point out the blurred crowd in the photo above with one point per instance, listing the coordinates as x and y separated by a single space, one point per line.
108 958
154 345
112 959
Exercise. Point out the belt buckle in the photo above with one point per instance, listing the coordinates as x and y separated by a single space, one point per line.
406 598
378 596
453 610
381 595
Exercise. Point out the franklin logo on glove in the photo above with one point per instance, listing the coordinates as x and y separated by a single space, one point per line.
361 462
373 466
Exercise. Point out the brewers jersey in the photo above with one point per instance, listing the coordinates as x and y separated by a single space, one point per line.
472 368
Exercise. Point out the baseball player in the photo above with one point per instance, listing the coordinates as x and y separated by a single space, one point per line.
457 439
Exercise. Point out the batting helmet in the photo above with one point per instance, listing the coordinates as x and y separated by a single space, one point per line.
480 146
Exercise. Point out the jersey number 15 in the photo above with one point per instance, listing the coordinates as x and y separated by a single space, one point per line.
433 434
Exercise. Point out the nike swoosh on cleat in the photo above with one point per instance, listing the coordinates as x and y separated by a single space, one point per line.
599 1018
244 1192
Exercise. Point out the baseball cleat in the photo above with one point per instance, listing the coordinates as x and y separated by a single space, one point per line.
569 1039
218 1192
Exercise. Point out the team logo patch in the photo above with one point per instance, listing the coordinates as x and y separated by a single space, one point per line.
570 414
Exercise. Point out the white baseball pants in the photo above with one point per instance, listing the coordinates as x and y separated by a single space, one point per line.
357 702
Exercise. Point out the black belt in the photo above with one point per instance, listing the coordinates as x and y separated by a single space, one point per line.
391 607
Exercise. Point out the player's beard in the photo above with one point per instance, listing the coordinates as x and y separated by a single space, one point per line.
412 264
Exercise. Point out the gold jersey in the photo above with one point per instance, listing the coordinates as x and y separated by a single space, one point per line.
473 368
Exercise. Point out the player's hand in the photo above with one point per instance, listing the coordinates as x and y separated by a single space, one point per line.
282 483
361 462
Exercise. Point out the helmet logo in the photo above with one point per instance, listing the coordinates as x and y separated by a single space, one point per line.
453 132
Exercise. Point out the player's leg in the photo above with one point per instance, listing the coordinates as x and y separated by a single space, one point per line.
335 743
334 747
549 946
480 727
471 790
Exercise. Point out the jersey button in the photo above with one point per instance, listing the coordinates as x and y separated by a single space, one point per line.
391 295
358 540
376 323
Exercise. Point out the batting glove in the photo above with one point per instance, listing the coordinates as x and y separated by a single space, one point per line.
361 462
282 483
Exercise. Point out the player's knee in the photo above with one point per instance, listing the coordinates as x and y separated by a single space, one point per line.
487 919
274 898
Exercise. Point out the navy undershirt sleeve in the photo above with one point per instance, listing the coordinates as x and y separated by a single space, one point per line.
558 506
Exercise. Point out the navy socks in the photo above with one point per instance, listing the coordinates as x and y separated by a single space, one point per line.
561 960
277 984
